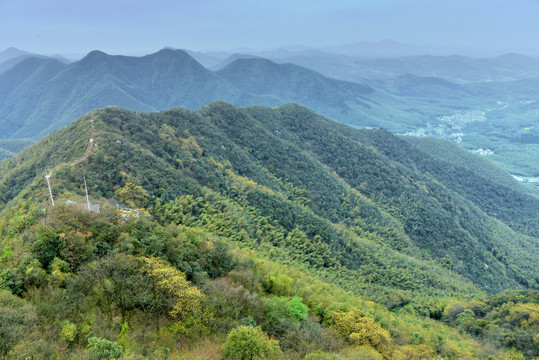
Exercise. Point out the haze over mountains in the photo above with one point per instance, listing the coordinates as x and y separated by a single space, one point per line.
338 241
362 57
166 79
447 96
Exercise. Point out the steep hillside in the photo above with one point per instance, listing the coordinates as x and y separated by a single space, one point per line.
7 64
479 180
277 217
29 75
363 181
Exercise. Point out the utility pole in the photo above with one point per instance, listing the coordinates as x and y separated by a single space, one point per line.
47 177
86 189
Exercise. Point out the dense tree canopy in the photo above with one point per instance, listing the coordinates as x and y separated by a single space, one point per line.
259 222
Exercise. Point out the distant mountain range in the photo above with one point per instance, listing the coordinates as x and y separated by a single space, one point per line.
377 59
11 53
445 96
12 56
40 95
384 49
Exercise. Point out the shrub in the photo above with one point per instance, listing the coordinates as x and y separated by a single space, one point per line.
69 331
10 280
277 284
104 349
297 308
281 309
249 343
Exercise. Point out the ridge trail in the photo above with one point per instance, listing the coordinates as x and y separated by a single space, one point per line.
88 148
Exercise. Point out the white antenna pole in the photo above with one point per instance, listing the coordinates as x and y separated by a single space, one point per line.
47 177
86 189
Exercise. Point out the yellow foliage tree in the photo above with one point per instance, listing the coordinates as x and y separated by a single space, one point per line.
361 330
190 146
170 282
526 315
166 133
131 194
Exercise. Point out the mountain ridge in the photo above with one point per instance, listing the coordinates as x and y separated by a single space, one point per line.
143 84
414 102
382 187
257 210
101 80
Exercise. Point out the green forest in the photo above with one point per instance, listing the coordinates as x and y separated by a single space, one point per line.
10 147
262 233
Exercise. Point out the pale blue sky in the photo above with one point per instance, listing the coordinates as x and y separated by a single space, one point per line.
133 26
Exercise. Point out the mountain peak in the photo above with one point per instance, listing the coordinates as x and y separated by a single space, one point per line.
95 55
169 52
12 50
10 53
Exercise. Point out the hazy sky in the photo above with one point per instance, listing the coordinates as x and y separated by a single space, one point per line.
133 26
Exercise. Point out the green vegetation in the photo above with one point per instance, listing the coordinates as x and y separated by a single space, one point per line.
509 318
249 343
258 232
103 348
10 147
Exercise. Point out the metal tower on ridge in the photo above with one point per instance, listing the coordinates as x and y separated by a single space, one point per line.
47 177
86 189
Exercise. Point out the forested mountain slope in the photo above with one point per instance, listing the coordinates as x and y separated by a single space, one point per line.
361 179
479 179
254 206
